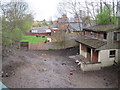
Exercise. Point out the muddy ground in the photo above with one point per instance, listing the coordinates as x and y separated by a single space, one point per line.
50 69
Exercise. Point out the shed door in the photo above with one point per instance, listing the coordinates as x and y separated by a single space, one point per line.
88 53
95 56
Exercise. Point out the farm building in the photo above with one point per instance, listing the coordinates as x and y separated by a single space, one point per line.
100 44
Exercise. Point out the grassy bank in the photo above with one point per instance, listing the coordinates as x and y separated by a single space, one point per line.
33 39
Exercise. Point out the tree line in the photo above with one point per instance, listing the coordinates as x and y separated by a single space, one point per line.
99 12
16 20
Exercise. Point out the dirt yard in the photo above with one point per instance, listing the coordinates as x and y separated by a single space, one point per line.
50 69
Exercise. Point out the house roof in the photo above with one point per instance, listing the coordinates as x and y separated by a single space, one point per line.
62 20
41 31
54 28
93 43
102 28
62 28
75 26
40 28
71 20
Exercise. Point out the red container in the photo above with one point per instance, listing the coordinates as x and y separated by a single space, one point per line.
71 73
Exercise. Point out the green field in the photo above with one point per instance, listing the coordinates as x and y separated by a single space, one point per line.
33 39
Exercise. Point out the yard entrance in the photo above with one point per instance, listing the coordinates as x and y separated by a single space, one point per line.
24 45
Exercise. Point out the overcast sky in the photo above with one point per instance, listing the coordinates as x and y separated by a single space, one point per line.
47 9
43 9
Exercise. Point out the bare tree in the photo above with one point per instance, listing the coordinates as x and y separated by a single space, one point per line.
74 7
101 6
113 6
15 10
16 20
62 8
118 13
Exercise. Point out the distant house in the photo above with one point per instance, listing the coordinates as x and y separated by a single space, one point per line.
39 31
54 30
62 22
75 25
69 25
100 43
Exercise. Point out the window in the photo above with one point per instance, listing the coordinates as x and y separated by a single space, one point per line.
105 36
88 50
117 36
112 53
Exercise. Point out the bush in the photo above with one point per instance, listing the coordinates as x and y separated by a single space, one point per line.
50 49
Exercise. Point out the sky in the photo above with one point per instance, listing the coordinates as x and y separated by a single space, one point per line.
47 9
43 9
